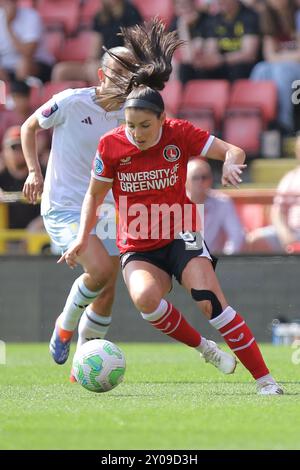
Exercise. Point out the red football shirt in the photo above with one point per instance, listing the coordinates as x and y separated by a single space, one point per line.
149 186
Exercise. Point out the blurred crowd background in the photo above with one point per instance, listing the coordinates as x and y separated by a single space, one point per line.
238 76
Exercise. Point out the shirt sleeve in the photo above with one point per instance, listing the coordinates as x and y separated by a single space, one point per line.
53 112
102 169
203 27
251 23
211 27
235 235
198 141
32 31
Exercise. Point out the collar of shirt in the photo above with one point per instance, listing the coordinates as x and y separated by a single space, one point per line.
133 142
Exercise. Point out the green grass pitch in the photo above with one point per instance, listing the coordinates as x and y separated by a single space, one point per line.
169 400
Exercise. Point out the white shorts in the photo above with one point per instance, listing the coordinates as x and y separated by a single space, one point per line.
63 226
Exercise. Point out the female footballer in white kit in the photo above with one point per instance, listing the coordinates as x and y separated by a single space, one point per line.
78 118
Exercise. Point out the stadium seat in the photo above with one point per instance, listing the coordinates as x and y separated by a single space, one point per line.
252 107
252 216
76 49
270 171
205 99
150 8
88 10
250 95
26 3
38 96
51 88
54 42
293 248
60 13
244 130
172 96
206 123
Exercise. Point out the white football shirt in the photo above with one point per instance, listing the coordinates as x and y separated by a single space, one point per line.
78 123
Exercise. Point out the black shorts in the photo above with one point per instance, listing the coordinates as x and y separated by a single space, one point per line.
171 258
43 72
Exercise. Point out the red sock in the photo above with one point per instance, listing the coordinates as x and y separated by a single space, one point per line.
64 335
241 341
173 324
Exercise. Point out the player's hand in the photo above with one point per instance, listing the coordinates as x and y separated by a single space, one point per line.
231 174
33 187
71 255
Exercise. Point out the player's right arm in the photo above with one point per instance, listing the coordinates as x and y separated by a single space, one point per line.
53 113
33 186
93 199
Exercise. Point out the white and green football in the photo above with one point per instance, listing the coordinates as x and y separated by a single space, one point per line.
99 365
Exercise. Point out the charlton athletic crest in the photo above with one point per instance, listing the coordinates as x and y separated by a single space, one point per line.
171 153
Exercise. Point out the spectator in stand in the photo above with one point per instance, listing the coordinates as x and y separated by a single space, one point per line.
281 53
191 25
21 110
22 49
257 5
113 15
223 231
20 106
12 178
283 236
232 45
106 26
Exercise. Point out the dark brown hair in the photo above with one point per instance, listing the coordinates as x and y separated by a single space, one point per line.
272 22
153 48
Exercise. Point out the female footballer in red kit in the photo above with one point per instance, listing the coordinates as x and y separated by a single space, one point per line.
145 164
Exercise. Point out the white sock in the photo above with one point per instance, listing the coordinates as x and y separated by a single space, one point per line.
158 313
264 379
78 299
203 345
92 326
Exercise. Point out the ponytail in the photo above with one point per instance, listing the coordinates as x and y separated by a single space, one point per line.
153 49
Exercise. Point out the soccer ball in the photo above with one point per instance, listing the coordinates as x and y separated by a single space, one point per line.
99 365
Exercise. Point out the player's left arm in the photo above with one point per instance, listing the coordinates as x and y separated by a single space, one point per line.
233 158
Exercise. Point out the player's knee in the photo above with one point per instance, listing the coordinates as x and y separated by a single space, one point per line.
209 302
100 275
146 300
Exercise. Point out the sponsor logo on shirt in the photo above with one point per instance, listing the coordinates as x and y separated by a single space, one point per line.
160 179
87 120
125 161
98 165
172 153
49 111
